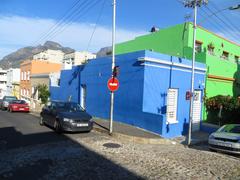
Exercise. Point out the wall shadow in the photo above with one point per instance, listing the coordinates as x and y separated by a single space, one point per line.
87 164
236 83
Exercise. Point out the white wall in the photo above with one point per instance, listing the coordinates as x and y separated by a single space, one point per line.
77 58
3 83
54 56
13 76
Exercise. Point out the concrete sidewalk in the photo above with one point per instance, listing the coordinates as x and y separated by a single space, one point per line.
130 133
126 132
134 134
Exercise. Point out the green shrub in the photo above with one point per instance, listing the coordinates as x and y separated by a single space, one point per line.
229 113
43 93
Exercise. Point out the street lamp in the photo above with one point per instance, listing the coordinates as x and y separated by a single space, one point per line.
236 7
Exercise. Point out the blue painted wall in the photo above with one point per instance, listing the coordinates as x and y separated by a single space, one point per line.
158 78
69 85
141 98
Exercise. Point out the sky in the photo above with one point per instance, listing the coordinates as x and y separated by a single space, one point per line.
87 24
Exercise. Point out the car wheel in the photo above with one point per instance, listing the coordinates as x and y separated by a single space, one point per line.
212 150
41 121
57 126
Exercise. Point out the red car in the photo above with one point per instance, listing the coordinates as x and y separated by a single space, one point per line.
18 105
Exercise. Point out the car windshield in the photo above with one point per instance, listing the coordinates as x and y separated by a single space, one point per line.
69 107
10 98
18 102
232 128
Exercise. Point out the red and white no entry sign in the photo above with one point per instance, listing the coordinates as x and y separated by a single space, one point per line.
113 84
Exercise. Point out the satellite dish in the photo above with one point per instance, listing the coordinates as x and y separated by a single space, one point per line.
154 29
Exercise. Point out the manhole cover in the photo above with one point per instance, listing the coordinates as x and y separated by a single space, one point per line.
112 145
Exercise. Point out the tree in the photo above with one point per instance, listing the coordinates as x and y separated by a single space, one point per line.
43 93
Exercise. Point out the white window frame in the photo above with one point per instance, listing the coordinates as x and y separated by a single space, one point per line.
83 95
172 106
28 75
25 75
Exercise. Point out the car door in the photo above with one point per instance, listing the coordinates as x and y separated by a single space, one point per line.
46 114
52 113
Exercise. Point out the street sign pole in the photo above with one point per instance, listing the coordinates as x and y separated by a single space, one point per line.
113 65
193 74
193 4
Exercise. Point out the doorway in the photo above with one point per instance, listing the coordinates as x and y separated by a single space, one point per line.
197 104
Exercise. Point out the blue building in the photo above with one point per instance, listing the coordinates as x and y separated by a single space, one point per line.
152 92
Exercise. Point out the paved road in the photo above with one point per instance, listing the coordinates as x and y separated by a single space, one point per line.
23 129
29 151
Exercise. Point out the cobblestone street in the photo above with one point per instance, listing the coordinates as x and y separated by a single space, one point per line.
88 158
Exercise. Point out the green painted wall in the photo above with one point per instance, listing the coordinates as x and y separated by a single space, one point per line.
158 42
178 41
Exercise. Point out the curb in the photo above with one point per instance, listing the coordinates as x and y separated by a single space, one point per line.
133 139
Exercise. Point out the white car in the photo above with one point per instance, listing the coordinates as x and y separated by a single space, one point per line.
226 139
5 101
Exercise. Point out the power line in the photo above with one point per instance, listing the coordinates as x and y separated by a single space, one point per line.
226 18
83 12
220 26
227 25
61 20
97 21
69 18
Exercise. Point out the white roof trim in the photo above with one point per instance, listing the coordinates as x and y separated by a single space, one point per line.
169 63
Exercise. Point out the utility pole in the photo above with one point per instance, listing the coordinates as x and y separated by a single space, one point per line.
113 65
193 4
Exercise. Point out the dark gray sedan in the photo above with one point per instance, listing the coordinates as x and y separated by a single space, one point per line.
66 116
226 139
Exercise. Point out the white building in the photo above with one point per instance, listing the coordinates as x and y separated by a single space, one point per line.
3 83
76 58
54 56
13 78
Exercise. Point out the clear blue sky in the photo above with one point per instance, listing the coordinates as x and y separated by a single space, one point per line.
23 22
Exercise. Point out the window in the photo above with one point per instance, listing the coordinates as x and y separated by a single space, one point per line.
58 81
236 59
172 101
198 46
211 50
22 76
25 75
28 75
225 55
83 96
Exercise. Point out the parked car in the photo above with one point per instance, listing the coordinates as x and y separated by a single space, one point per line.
18 105
66 116
5 101
226 139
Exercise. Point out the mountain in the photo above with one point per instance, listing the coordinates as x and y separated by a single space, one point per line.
106 51
14 59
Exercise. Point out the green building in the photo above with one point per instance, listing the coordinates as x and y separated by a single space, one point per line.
219 54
